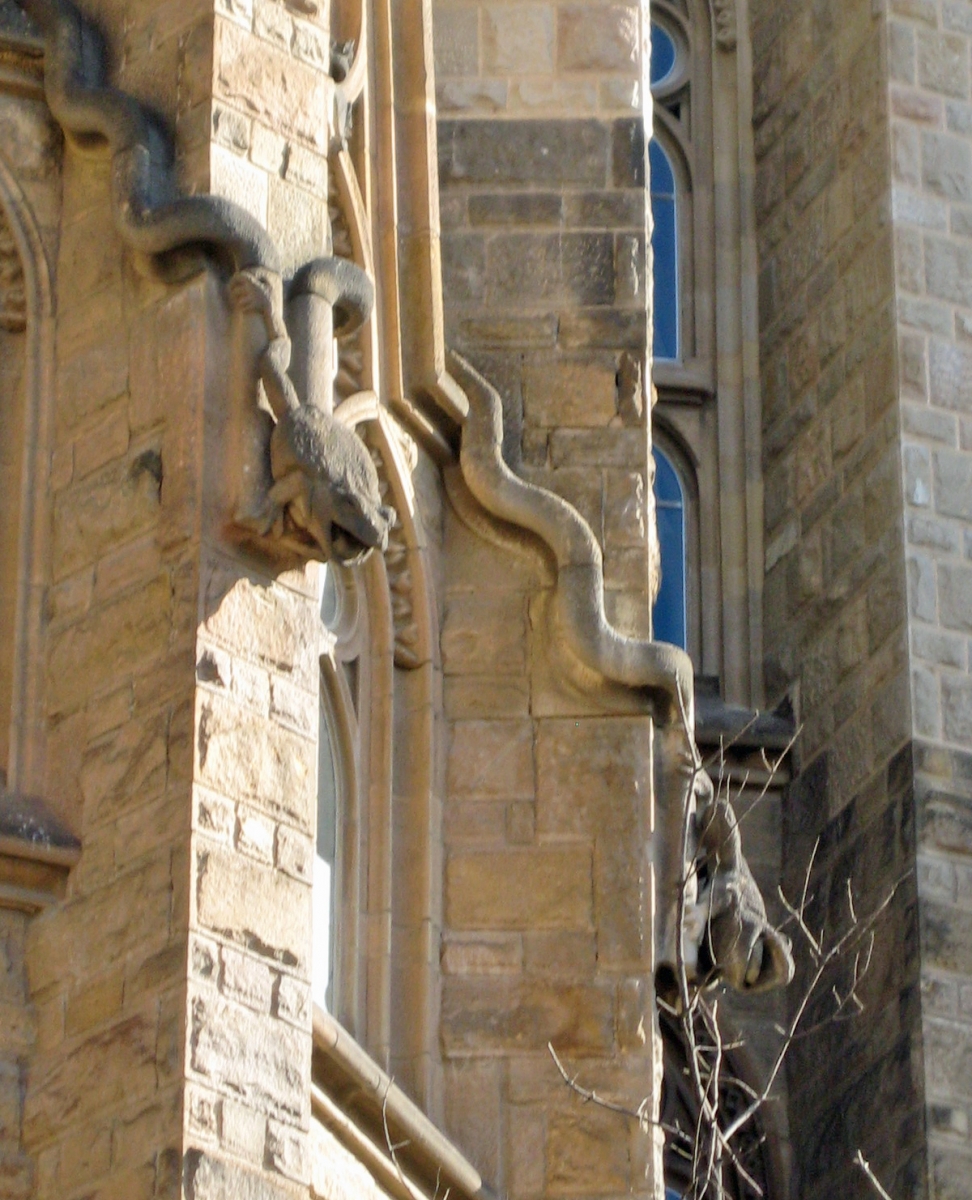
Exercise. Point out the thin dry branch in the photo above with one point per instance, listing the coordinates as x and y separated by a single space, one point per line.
860 1161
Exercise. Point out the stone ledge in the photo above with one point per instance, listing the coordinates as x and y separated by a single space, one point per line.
36 854
366 1110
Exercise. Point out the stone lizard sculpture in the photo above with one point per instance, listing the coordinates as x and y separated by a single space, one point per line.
325 485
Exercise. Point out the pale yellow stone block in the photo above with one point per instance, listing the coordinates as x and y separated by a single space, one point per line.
485 633
482 954
587 1152
597 38
115 1067
517 38
95 1002
253 906
544 887
489 1015
562 392
491 759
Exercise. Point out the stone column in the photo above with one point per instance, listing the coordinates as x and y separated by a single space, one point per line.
171 988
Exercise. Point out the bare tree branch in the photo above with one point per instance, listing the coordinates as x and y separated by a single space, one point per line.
860 1161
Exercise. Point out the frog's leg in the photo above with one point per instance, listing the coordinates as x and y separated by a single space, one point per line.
286 490
320 517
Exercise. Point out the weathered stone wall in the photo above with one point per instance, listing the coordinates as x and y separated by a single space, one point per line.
194 801
547 917
548 810
835 606
16 1041
931 124
541 171
106 969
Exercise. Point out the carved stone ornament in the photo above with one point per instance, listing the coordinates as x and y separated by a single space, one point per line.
724 13
325 496
727 936
323 500
13 301
410 650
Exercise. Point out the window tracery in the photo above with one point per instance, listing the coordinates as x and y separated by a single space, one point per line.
705 378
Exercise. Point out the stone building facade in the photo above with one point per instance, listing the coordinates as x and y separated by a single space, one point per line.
342 778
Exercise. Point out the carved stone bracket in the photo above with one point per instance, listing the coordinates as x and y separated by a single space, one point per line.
36 854
724 14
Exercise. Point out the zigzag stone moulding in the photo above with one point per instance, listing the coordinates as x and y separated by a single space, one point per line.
13 299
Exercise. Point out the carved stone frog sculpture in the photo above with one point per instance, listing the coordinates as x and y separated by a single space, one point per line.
324 480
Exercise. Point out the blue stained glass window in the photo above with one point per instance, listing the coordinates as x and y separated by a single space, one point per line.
662 55
668 617
664 245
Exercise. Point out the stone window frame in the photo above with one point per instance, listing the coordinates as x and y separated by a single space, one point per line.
681 124
667 440
21 202
709 400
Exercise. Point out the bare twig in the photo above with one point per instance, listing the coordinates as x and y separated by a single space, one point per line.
394 1147
860 1161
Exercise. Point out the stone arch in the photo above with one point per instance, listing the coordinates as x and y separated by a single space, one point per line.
21 708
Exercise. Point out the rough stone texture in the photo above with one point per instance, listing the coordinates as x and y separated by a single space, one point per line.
178 835
541 171
835 601
928 81
545 928
537 58
521 267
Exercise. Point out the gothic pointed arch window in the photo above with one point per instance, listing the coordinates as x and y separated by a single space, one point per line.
669 617
677 612
664 248
706 378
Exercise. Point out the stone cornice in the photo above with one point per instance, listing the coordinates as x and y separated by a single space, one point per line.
36 854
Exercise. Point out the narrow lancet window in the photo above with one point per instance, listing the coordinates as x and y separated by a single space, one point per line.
668 617
664 246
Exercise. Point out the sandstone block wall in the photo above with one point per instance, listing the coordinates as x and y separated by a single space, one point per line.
106 969
547 812
931 124
170 989
541 175
546 908
835 605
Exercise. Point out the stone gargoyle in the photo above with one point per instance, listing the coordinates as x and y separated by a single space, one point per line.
726 937
325 490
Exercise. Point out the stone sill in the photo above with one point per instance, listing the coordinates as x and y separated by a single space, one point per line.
688 382
366 1111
